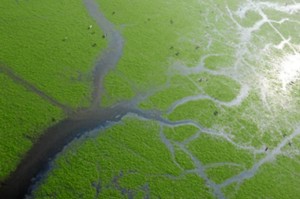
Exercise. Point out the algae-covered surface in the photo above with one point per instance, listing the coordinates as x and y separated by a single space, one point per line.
209 96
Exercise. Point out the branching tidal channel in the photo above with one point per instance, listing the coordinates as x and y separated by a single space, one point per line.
78 123
35 164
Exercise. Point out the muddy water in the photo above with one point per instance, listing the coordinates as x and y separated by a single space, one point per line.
56 137
52 142
111 55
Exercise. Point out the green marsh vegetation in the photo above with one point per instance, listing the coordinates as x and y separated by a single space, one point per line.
283 186
231 128
210 86
120 167
50 45
23 116
154 37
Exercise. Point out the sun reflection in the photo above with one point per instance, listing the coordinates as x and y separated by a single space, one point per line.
289 70
278 81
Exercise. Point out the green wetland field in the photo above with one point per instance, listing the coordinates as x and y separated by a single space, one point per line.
149 99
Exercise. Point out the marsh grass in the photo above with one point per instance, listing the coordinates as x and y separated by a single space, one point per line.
49 44
24 116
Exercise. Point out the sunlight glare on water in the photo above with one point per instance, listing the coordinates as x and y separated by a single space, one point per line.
289 69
